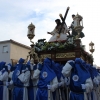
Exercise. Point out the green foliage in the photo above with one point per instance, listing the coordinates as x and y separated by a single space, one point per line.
55 46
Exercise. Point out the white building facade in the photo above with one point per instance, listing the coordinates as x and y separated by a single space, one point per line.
11 51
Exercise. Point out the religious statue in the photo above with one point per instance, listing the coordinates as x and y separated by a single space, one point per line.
76 26
60 31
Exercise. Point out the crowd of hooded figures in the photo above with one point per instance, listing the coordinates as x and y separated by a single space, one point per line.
49 80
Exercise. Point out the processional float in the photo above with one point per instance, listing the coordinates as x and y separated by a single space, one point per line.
60 51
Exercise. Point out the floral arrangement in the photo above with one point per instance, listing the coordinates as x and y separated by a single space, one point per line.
54 46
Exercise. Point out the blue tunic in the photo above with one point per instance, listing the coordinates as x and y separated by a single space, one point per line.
3 69
93 73
31 85
46 76
57 69
18 85
79 74
9 79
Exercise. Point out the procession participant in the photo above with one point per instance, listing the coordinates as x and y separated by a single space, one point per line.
98 70
56 36
11 71
59 93
95 94
35 77
20 80
9 83
96 90
31 90
47 81
66 83
67 89
80 80
30 87
4 94
32 82
92 95
98 76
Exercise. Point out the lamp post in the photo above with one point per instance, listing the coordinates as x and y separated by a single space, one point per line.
91 47
30 35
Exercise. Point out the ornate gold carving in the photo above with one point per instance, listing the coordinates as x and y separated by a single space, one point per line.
65 55
45 55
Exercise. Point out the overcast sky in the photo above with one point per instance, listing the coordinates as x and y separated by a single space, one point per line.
16 15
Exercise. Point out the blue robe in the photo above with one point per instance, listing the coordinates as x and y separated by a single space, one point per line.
18 85
1 85
11 86
57 69
31 85
3 69
46 76
93 73
79 74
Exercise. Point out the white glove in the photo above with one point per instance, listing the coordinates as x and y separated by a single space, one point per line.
23 71
95 80
49 87
7 83
26 69
9 67
70 61
83 86
61 84
3 69
11 82
67 81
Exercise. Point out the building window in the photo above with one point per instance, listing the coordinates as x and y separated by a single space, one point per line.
5 49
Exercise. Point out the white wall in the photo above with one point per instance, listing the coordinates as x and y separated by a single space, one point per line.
18 52
5 56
